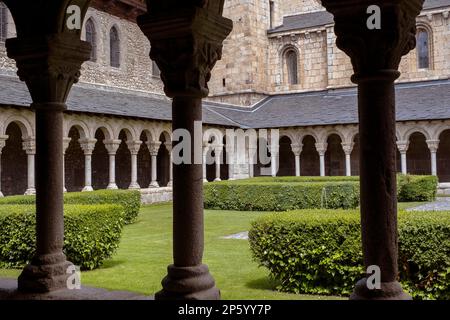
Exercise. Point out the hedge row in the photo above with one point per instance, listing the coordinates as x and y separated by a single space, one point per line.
416 188
319 252
280 196
129 199
92 233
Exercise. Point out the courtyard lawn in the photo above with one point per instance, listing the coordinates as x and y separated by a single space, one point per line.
146 250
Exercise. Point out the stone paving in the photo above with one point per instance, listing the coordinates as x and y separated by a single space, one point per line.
441 204
240 236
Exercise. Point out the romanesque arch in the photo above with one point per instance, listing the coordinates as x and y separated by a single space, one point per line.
418 155
74 163
100 162
334 157
443 156
287 158
310 161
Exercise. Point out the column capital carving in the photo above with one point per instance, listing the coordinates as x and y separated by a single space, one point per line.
348 147
88 146
49 65
372 51
134 146
29 145
3 142
321 148
66 142
297 148
433 145
402 146
186 42
112 146
153 147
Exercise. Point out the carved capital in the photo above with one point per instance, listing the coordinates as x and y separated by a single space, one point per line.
134 146
49 65
321 148
66 142
186 42
348 147
297 148
29 145
153 147
433 145
3 142
402 146
88 146
373 50
112 146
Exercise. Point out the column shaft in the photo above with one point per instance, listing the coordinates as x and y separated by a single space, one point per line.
112 172
217 163
297 165
433 163
30 175
348 165
322 164
88 173
404 162
154 182
134 184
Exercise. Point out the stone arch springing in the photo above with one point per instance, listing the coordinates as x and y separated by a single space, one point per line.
100 161
91 37
14 162
310 161
287 157
74 161
418 155
443 156
424 47
114 47
24 125
335 156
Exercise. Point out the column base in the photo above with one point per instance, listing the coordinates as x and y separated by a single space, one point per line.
205 180
45 274
112 186
170 184
1 195
154 184
87 189
217 179
64 189
389 291
188 283
134 186
30 192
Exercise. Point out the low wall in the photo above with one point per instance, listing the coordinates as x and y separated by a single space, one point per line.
156 195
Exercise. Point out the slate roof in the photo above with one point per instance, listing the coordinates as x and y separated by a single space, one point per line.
428 100
322 18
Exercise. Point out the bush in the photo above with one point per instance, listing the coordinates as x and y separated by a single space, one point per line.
92 234
129 199
416 188
319 252
281 196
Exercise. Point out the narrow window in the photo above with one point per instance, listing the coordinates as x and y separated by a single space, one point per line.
114 44
423 49
292 66
3 22
91 37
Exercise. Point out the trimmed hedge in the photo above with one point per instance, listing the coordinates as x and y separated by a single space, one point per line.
416 188
129 199
319 252
280 196
92 234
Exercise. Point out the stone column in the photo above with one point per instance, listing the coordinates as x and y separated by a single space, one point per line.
348 148
186 55
169 149
375 56
29 145
251 160
204 154
230 161
153 147
274 152
134 147
49 64
433 145
2 145
297 150
218 160
66 142
403 149
112 146
88 146
322 149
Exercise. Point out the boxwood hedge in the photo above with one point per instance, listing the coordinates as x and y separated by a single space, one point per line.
129 199
92 233
416 188
319 252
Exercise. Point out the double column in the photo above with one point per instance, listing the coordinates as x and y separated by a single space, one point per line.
29 145
112 146
348 148
274 157
376 55
321 150
218 149
153 147
88 146
186 55
403 149
134 147
2 145
169 149
297 149
433 146
49 64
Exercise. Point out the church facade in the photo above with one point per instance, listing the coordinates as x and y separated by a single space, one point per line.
280 70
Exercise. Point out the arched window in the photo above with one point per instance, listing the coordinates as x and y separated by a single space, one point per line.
3 22
91 37
114 47
423 49
292 66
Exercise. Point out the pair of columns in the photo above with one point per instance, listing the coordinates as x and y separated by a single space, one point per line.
218 149
433 146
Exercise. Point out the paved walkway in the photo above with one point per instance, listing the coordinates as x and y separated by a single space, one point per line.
441 204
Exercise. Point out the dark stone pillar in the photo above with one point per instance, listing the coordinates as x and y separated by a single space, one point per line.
186 40
49 65
375 55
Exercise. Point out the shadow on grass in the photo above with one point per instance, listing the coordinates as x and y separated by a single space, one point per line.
264 283
111 264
